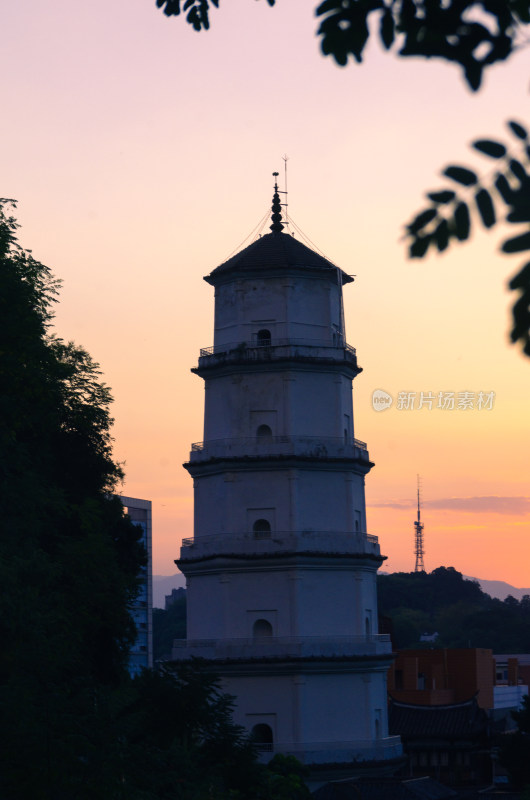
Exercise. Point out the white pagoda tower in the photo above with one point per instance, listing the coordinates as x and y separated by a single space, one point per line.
281 572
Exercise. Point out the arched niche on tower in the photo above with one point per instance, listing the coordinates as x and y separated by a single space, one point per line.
261 528
262 736
262 629
263 337
261 521
264 433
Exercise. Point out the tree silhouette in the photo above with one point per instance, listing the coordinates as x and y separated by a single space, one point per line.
69 558
469 33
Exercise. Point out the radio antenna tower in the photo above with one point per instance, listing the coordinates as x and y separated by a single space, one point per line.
418 538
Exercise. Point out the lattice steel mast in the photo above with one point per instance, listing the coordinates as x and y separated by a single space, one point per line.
418 538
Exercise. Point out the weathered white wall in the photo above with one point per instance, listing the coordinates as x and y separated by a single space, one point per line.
290 307
318 600
311 708
291 401
311 499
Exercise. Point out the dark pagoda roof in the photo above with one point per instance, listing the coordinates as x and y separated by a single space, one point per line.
458 720
276 251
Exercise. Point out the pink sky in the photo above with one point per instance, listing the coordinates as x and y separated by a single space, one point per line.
141 155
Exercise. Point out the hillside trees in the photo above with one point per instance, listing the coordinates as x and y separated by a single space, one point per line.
168 624
462 615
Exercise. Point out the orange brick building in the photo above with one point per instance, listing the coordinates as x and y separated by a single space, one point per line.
442 677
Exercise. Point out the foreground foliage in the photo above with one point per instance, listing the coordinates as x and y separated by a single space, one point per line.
472 34
73 724
504 193
69 558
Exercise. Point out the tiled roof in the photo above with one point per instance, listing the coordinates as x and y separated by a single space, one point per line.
276 250
458 720
384 789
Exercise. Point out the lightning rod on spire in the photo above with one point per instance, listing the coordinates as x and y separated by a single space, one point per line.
286 204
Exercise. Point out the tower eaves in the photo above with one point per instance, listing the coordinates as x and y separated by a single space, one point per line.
276 251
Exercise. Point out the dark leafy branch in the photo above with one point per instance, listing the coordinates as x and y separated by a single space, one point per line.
504 192
197 11
472 34
469 33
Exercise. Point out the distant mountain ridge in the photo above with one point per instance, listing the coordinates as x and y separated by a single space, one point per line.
163 585
499 589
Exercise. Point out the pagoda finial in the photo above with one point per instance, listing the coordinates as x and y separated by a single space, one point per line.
277 226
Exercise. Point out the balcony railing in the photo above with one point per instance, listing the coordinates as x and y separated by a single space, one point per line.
236 352
336 752
307 446
278 647
273 542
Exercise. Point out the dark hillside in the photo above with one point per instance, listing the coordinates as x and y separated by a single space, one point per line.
462 615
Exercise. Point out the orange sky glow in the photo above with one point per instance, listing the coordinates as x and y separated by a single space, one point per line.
141 155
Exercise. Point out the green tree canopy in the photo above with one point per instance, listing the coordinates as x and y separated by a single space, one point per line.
462 615
69 558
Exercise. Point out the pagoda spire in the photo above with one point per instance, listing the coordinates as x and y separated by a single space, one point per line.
277 225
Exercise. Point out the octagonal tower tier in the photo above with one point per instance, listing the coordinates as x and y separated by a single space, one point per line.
281 572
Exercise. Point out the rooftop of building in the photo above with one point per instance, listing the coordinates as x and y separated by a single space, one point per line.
276 250
457 719
384 789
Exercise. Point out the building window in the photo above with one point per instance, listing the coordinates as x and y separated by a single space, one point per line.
262 629
264 338
261 529
398 679
264 433
262 737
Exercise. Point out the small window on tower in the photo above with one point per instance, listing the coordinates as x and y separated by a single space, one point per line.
264 338
262 737
261 629
261 529
264 433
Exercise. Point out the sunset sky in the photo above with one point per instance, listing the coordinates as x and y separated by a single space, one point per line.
141 155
